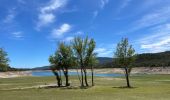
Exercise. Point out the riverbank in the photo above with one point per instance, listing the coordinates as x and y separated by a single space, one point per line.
13 74
140 70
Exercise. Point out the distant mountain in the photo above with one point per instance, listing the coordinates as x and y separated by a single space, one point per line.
142 60
41 68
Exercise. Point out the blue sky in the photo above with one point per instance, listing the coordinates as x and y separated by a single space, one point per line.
30 29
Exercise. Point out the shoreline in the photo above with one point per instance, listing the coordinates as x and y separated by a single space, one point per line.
140 70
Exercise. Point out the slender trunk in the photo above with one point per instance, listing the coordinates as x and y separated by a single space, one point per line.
82 78
127 77
78 76
66 76
85 77
92 77
58 78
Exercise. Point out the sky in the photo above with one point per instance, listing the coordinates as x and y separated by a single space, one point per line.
31 29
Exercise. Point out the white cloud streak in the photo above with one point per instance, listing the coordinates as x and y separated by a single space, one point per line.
17 35
157 17
68 39
125 4
103 3
10 17
158 41
46 15
59 32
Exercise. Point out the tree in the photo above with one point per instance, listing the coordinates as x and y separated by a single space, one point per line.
3 60
61 61
125 56
84 54
67 59
55 67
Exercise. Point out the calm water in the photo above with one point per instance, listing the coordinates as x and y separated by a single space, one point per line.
49 73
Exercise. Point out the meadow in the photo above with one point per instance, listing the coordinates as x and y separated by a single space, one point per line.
145 87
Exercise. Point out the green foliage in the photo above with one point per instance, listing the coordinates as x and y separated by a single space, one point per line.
85 56
84 51
3 60
125 54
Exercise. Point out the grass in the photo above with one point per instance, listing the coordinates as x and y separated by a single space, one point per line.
145 87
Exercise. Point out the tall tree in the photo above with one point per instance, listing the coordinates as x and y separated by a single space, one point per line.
56 67
84 52
125 56
62 60
3 60
67 59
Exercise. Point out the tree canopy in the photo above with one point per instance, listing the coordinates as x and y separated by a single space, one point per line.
3 60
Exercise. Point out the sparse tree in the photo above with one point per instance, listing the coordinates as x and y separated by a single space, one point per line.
125 56
56 67
84 54
62 60
3 60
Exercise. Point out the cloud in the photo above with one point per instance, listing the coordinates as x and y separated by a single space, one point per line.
79 33
95 13
10 17
68 39
17 35
125 4
158 41
103 3
157 17
46 15
103 52
59 32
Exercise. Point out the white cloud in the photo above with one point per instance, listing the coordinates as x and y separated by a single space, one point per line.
125 4
158 41
101 6
46 15
103 3
59 32
17 35
68 39
103 52
95 13
46 19
157 17
79 33
10 17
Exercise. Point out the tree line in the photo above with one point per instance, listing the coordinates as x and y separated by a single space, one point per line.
80 54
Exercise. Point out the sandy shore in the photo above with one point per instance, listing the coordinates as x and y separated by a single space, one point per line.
141 70
15 74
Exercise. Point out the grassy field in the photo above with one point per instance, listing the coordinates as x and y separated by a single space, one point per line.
146 87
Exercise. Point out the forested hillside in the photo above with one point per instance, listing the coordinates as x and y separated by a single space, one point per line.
161 59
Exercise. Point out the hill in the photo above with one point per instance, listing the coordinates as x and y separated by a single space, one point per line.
142 60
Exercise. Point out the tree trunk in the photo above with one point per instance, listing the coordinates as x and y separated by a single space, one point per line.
85 75
66 76
78 75
58 78
92 77
127 77
82 78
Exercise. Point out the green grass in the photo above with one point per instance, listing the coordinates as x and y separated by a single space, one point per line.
146 87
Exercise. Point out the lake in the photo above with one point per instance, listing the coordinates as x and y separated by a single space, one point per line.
49 73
